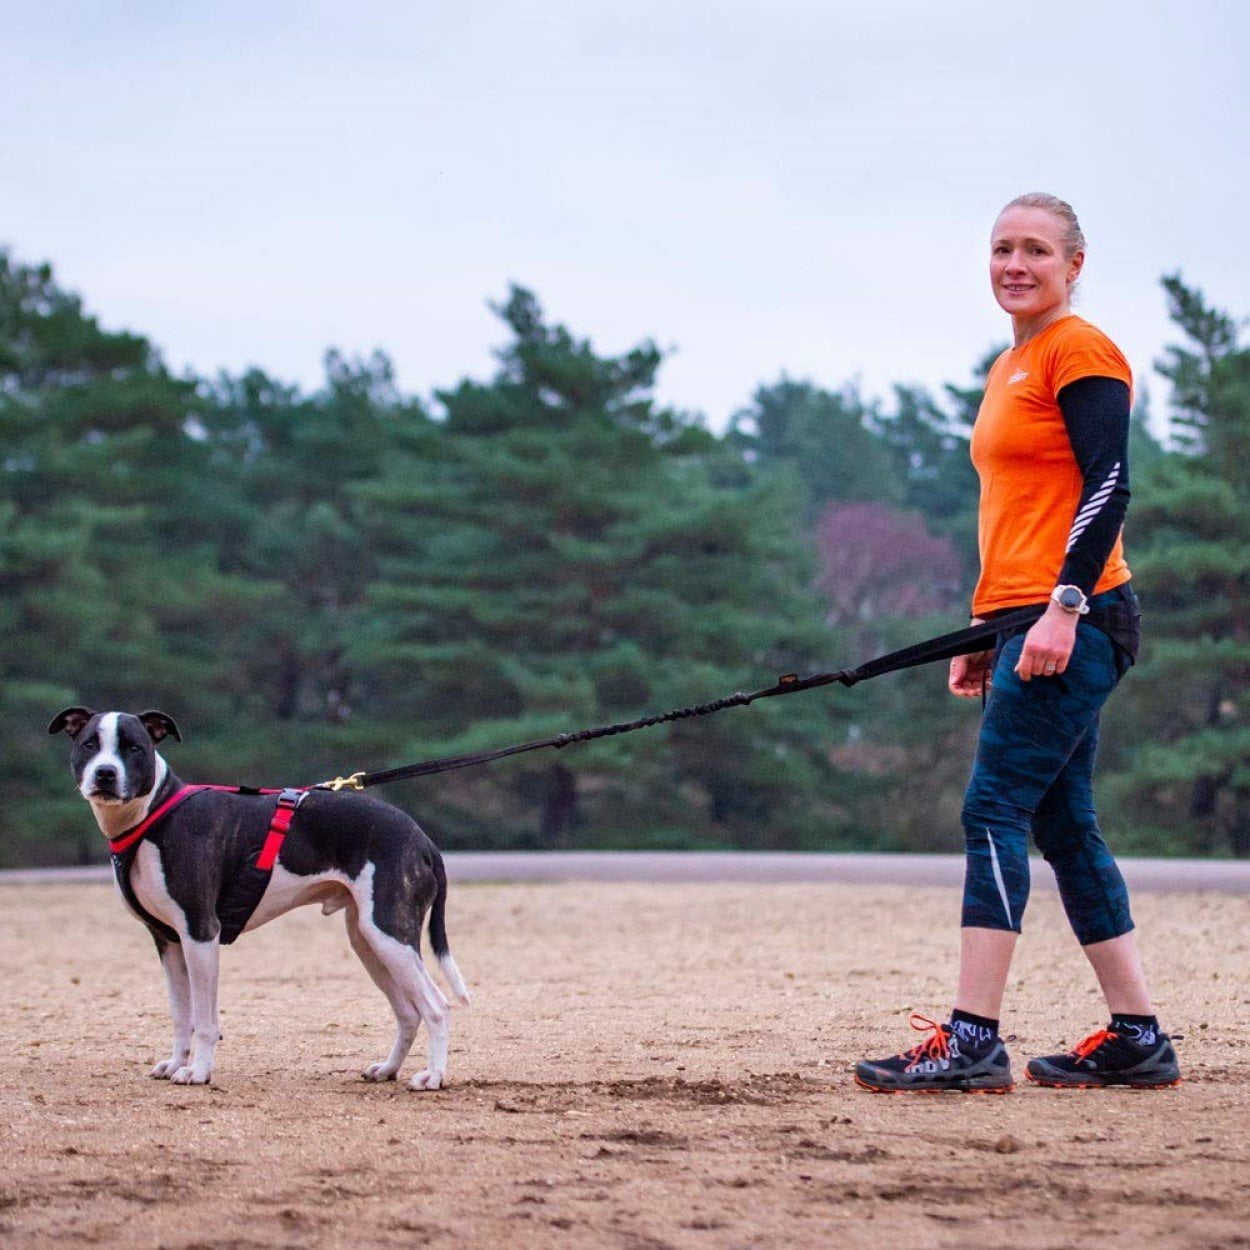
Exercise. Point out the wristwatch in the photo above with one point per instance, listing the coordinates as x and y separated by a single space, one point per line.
1070 599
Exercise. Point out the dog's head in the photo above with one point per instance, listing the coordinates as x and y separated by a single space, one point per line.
114 756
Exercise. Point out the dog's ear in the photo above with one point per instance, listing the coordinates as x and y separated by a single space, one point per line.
160 726
71 721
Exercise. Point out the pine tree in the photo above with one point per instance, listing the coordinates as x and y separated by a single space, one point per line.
571 557
94 488
826 440
288 521
1185 779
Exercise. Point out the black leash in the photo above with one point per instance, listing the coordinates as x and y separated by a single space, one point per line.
945 647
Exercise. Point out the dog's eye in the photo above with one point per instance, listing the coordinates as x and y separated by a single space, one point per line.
134 749
91 743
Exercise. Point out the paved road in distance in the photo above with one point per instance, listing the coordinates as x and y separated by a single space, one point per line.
1226 876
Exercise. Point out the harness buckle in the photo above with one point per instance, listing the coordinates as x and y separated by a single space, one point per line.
344 783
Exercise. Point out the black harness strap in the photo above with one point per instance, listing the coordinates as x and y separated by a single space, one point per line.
947 646
241 897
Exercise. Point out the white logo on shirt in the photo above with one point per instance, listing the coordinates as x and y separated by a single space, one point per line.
1018 376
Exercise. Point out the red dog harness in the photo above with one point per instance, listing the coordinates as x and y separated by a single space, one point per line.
235 907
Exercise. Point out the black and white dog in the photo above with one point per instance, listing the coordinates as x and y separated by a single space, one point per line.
344 850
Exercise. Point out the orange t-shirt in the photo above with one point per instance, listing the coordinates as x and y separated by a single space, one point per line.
1030 481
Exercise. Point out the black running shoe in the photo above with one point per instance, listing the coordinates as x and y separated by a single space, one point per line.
1107 1058
942 1063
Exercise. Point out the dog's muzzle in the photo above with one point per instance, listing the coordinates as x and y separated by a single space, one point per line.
106 783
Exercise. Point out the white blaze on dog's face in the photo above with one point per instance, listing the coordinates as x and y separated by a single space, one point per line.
114 759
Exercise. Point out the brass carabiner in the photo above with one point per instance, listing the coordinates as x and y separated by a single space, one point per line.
354 782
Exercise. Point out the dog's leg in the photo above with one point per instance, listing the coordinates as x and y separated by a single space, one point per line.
202 959
407 1019
178 984
436 1012
419 993
435 1070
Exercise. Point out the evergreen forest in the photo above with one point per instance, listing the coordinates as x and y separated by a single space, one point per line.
312 583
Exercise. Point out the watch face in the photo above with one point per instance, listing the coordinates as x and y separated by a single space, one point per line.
1070 597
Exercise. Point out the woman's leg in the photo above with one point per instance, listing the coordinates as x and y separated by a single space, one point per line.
1028 733
984 961
1118 967
1090 884
1131 1050
1031 734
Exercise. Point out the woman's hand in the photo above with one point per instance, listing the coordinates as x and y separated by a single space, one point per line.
1048 645
970 674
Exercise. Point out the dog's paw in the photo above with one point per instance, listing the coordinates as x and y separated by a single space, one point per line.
189 1076
426 1080
379 1072
165 1069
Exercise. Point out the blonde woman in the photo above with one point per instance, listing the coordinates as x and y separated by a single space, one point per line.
1050 448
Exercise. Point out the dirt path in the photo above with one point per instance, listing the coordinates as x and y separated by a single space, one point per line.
643 1067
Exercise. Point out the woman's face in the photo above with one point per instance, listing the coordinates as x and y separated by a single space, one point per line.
1029 271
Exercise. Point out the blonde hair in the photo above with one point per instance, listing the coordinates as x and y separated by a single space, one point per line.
1072 238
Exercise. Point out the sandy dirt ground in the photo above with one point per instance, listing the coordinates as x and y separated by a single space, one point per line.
643 1066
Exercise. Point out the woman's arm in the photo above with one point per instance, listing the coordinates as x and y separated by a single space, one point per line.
1096 414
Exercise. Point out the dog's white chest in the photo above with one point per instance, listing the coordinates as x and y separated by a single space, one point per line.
147 880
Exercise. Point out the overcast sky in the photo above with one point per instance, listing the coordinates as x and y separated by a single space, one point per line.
788 186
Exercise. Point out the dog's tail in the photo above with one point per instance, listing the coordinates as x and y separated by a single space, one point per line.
438 933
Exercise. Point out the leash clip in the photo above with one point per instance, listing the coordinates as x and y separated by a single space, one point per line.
345 783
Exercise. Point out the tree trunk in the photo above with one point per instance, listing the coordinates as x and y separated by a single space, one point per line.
1239 831
1205 793
559 807
289 674
1203 796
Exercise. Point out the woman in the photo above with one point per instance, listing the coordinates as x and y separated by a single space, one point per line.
1050 448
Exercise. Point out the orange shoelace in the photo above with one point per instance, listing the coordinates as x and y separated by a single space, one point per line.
935 1046
1092 1042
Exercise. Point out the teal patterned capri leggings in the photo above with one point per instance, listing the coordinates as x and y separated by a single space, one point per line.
1033 774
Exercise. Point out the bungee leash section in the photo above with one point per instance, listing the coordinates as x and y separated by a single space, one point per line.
945 647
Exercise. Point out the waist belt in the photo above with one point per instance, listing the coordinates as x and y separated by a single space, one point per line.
246 886
1118 616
